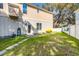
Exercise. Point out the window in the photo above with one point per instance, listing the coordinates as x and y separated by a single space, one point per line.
1 5
39 26
24 8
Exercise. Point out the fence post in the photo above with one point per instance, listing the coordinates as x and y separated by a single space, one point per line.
69 29
75 30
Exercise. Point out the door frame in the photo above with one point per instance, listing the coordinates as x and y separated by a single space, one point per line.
29 27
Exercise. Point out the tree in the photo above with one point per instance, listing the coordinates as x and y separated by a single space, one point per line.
63 13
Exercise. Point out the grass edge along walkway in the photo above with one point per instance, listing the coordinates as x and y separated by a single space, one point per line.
11 47
6 42
18 43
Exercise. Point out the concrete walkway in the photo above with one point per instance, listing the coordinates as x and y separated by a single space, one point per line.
11 47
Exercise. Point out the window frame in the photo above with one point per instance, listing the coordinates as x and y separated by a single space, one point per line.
39 26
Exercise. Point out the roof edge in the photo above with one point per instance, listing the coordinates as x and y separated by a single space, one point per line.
39 8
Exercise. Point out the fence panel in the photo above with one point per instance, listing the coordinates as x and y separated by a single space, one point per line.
72 30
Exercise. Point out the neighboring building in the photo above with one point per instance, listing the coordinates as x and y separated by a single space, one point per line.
23 19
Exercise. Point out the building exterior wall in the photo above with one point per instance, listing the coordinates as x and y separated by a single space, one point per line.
9 26
41 15
33 17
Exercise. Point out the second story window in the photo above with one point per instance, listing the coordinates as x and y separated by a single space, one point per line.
24 8
1 5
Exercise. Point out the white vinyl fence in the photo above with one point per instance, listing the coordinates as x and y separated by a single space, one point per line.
57 29
72 30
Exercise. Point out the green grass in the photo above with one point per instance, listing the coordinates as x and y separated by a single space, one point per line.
58 44
4 43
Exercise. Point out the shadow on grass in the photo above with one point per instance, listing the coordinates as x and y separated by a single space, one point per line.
58 44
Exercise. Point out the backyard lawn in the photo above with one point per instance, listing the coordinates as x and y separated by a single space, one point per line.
4 43
58 44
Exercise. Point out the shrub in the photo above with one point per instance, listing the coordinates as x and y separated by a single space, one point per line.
48 30
13 35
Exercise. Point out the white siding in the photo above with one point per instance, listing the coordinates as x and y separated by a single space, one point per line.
7 26
45 25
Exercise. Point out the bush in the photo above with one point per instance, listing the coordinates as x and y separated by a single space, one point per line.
13 35
48 30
